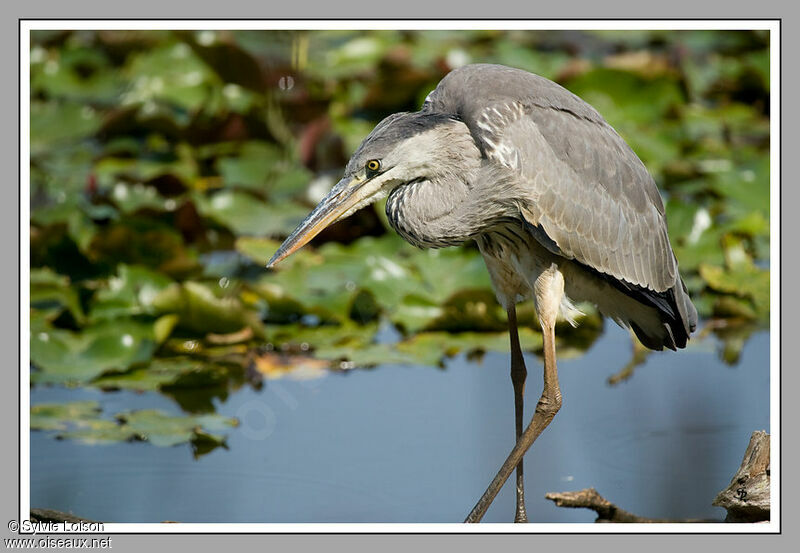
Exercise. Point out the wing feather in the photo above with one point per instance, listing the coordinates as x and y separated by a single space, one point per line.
585 207
584 192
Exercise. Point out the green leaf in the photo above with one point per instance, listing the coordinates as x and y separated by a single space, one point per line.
429 348
170 72
82 423
76 357
181 372
743 280
49 290
163 327
53 124
252 167
163 430
99 431
58 416
132 197
348 335
292 182
75 72
131 292
111 171
199 310
260 250
246 214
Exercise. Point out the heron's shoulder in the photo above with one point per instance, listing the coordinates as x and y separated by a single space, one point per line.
469 90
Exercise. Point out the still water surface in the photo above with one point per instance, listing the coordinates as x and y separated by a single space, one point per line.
420 444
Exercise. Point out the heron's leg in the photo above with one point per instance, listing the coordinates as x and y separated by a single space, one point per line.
518 375
549 288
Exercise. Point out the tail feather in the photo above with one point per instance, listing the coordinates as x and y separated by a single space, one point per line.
677 313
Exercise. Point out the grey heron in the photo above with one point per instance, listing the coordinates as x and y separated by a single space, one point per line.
561 209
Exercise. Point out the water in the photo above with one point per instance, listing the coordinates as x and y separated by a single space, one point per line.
420 444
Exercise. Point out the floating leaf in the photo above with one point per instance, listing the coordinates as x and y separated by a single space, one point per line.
132 197
246 214
159 373
163 327
51 291
164 430
131 292
252 167
259 250
303 338
76 357
99 431
58 416
170 72
744 280
56 123
152 426
429 348
111 171
79 73
199 310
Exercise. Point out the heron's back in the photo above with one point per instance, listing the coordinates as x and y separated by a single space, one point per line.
581 192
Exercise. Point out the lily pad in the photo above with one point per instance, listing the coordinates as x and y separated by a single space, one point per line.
112 170
430 348
166 372
54 123
409 285
75 72
259 250
172 73
252 166
98 431
51 291
743 280
200 310
164 430
58 416
65 357
152 426
131 292
245 214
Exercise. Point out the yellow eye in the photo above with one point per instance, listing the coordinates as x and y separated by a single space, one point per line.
373 165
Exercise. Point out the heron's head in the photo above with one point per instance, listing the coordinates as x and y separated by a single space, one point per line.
403 148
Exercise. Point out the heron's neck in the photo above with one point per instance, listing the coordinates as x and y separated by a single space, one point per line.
441 212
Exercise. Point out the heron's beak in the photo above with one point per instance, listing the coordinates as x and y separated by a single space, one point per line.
347 193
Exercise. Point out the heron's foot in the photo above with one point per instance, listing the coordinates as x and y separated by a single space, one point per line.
521 515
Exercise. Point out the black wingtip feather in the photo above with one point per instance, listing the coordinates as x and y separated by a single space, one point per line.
678 320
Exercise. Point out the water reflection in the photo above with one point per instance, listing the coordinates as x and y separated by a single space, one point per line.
416 444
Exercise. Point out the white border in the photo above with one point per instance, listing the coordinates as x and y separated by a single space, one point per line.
773 26
775 272
402 24
24 274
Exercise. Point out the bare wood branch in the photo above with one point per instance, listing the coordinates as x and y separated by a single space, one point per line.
590 499
747 497
50 515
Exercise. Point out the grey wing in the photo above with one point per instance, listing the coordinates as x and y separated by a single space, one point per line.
582 185
584 192
576 178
